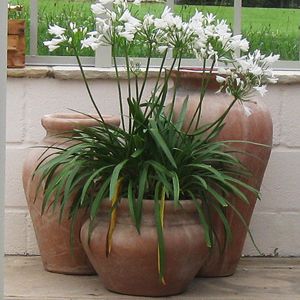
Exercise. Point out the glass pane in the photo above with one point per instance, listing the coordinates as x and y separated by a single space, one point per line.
139 11
273 26
62 12
223 9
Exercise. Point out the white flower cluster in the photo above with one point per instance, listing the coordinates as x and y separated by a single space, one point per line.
64 36
249 71
203 36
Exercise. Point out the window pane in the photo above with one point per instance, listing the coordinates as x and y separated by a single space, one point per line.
62 12
273 26
139 11
59 12
223 9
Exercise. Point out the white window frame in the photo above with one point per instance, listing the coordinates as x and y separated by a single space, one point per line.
103 57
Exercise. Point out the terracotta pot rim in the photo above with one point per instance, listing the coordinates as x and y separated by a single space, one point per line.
69 121
191 78
193 73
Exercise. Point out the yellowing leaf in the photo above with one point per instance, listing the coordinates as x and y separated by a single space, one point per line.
113 217
159 270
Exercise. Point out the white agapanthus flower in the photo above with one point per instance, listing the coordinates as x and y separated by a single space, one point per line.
220 79
51 46
223 32
102 26
238 43
262 90
272 79
255 69
223 71
209 30
271 59
90 42
162 49
244 45
247 110
166 16
54 43
56 30
93 33
148 21
128 18
98 9
198 17
129 36
130 27
160 23
210 18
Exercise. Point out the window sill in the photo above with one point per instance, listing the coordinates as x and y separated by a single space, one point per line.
65 73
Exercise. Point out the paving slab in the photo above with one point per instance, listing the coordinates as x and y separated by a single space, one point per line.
255 279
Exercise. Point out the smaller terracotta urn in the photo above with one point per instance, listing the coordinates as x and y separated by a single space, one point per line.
53 238
132 266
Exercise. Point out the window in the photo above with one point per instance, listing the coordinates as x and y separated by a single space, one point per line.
270 25
273 26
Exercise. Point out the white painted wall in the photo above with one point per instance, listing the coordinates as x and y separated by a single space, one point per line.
275 224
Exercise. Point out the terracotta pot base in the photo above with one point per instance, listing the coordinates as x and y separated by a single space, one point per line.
131 268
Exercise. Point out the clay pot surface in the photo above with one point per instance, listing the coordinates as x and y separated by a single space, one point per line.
53 238
132 266
250 121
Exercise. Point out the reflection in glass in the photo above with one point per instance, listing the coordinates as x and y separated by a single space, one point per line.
223 9
273 27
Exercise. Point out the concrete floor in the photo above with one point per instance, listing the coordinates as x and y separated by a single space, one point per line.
256 278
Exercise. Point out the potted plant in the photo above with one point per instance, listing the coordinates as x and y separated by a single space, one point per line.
16 37
152 184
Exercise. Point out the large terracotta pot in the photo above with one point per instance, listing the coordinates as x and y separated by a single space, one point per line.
131 267
54 238
250 121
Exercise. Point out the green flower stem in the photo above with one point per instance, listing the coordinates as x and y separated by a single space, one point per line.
160 71
175 88
119 87
139 98
156 88
203 89
162 90
129 83
90 93
136 86
219 121
87 85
